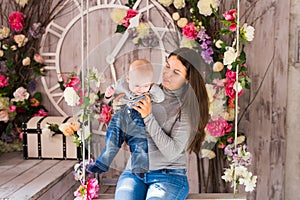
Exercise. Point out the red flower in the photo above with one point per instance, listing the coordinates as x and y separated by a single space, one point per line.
189 31
16 21
130 14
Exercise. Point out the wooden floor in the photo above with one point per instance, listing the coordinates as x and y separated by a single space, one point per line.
35 179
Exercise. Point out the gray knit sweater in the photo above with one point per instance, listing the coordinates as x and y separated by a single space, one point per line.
169 134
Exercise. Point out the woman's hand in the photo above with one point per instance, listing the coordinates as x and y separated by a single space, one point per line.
144 106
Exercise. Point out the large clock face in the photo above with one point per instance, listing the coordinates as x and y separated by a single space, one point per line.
104 49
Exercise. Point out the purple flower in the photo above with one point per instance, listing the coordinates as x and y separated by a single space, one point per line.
32 86
36 30
207 57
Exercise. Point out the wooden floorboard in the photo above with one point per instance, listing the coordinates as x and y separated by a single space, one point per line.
35 179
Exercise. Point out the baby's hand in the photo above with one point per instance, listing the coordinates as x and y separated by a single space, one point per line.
109 92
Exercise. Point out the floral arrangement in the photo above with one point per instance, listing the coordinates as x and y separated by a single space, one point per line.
88 188
212 32
139 29
239 159
22 25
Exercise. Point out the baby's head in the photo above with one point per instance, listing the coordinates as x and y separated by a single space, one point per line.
140 76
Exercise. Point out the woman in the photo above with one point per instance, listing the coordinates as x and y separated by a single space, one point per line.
174 126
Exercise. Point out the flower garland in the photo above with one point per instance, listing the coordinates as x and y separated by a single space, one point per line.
217 46
20 63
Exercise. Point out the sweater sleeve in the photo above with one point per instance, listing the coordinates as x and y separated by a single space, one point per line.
173 144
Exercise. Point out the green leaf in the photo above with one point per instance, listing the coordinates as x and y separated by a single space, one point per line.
121 29
224 31
38 96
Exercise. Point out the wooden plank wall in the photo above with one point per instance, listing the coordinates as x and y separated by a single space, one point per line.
265 121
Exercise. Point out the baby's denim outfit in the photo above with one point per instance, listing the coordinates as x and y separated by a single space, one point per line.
127 125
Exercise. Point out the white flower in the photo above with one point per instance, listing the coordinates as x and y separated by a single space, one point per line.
22 3
175 16
20 94
118 15
182 22
13 47
26 61
250 184
228 175
218 44
204 6
166 3
240 139
206 153
218 66
237 86
4 32
229 56
21 40
179 4
247 32
71 97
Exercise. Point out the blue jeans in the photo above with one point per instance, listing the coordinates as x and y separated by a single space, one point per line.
165 184
126 125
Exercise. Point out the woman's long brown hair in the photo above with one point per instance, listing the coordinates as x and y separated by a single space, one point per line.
192 61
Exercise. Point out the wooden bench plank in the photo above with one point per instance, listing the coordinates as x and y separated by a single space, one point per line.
193 196
25 176
64 184
15 170
44 181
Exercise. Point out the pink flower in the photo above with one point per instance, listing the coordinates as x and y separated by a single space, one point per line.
88 191
73 82
41 112
230 74
12 108
130 14
189 31
218 127
92 188
105 115
230 140
4 116
230 15
3 81
38 58
16 21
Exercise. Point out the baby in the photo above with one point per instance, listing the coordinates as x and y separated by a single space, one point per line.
127 124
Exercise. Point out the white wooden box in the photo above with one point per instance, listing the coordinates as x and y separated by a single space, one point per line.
42 144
